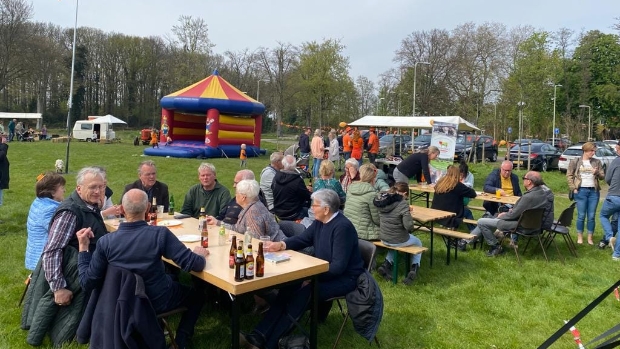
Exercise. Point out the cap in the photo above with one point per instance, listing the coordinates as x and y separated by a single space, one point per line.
347 129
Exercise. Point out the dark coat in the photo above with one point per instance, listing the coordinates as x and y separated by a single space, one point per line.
290 195
159 192
304 143
4 166
494 182
365 305
452 201
120 315
416 165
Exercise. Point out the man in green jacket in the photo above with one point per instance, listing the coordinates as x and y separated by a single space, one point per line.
209 193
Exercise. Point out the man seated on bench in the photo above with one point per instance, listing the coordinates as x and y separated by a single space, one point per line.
505 181
534 197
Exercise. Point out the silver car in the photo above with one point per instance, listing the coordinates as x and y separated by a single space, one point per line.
605 155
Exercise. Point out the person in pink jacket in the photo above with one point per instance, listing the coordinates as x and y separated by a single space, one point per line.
317 148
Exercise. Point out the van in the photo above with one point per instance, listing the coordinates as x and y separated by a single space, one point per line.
87 130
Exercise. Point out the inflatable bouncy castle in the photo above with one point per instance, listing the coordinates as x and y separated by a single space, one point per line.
210 118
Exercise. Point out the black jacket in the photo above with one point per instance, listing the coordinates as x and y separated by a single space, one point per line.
290 194
159 192
416 165
304 143
120 315
4 166
452 201
365 305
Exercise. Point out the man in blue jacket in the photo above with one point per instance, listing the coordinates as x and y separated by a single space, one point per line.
139 247
505 181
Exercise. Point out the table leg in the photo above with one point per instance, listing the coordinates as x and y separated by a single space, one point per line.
314 315
432 243
234 326
428 195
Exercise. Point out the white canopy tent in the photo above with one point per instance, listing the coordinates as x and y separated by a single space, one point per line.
108 119
420 122
20 116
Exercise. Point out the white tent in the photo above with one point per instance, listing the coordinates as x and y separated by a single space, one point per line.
108 119
20 116
421 122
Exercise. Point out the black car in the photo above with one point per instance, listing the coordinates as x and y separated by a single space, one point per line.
542 156
560 143
421 142
482 143
386 142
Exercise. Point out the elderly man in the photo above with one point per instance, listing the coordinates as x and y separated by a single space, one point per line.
505 181
147 174
334 240
267 174
209 193
230 213
55 301
290 194
611 206
254 217
139 247
535 197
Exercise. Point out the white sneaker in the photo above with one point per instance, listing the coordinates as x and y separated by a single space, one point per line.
615 258
612 243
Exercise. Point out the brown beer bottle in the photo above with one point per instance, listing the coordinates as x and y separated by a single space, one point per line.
260 261
153 213
249 263
239 265
203 228
231 254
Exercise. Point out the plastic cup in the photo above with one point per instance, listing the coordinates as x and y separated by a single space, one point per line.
498 193
264 239
160 209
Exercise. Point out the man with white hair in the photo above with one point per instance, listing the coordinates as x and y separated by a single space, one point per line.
290 195
267 174
230 213
209 193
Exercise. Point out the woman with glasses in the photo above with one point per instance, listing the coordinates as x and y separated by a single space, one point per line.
583 176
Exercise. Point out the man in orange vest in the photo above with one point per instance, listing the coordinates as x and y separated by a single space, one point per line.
373 146
346 143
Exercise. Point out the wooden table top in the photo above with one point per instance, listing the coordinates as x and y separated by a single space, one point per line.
218 273
424 215
511 199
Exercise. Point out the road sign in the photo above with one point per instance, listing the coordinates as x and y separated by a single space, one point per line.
557 131
509 130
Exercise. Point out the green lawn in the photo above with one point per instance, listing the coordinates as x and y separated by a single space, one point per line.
476 302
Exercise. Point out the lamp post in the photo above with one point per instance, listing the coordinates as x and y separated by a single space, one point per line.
258 89
520 105
589 120
415 67
379 104
555 86
70 101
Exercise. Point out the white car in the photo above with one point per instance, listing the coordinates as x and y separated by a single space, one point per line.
605 155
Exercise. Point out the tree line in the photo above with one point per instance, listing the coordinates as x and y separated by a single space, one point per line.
486 73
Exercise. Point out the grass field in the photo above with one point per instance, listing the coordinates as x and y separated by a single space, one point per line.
475 302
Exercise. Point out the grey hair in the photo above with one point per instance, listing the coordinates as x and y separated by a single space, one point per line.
206 166
149 163
327 198
93 170
135 201
353 162
249 188
288 162
275 157
246 174
317 132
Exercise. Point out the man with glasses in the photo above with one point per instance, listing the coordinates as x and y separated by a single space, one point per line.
147 182
55 289
230 213
535 197
611 206
505 181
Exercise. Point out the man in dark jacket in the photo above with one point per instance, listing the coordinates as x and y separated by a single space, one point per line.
290 195
4 169
147 172
304 143
505 181
139 247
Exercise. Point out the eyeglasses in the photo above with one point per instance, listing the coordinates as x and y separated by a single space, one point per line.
509 170
524 178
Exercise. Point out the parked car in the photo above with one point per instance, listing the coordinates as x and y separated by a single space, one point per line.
603 154
397 140
599 144
611 142
561 143
465 143
542 157
421 142
524 140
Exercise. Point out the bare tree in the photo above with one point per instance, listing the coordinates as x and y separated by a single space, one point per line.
14 37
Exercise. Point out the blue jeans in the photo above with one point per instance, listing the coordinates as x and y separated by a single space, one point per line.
587 201
1 197
611 206
413 240
315 167
346 155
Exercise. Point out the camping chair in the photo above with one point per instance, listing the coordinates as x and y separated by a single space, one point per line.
529 226
163 318
562 226
368 251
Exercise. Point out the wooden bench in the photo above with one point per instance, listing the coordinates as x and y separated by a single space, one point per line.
413 250
450 238
477 208
470 221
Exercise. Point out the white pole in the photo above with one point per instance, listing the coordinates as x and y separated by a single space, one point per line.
70 102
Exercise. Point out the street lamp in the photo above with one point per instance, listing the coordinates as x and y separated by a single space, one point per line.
70 102
379 104
258 88
520 105
589 120
415 66
555 86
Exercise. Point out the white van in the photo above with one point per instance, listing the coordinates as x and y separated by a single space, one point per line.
87 130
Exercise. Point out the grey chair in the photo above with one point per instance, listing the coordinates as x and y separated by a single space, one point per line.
529 226
561 226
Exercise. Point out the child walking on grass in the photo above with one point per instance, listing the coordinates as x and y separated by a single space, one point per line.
395 225
243 156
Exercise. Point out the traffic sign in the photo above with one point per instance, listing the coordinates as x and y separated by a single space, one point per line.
509 130
557 131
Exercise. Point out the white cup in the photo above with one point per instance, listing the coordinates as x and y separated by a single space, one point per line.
160 209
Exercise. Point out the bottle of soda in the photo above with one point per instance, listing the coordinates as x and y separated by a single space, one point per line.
171 206
249 263
202 228
153 214
221 236
260 261
239 265
231 254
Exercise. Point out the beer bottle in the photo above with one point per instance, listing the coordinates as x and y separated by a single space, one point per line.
153 215
202 228
249 264
171 206
260 261
239 265
231 254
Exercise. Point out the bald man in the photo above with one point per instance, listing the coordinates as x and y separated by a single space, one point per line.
505 181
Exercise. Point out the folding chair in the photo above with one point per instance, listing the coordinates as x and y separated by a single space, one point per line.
167 328
529 226
562 226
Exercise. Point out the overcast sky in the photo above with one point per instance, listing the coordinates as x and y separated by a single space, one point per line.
371 30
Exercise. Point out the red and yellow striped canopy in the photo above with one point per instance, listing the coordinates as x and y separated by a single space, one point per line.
214 87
